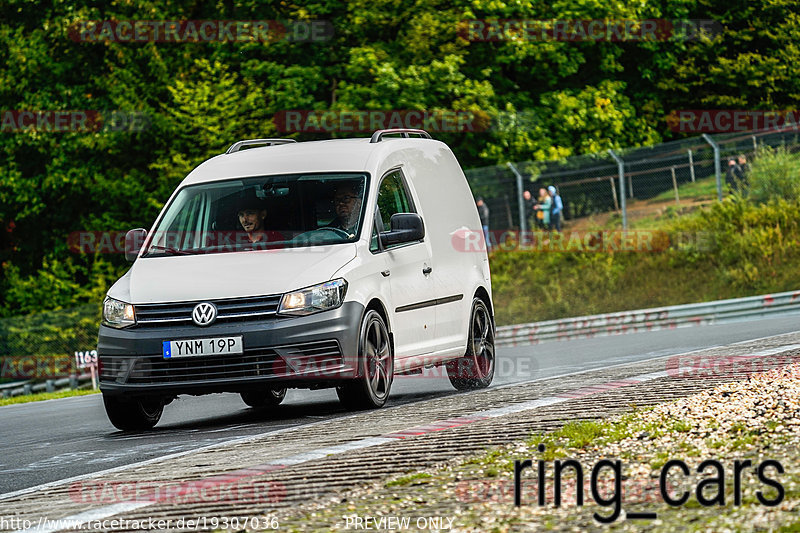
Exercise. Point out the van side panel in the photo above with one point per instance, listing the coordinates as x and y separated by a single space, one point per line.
453 228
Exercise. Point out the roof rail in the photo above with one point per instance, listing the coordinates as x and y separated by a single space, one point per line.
235 147
404 132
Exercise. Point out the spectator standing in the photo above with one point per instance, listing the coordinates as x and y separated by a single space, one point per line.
741 172
732 175
543 208
529 214
483 213
557 210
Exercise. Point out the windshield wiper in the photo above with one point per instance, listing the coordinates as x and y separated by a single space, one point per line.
170 250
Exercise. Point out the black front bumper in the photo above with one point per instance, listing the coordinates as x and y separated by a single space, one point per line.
314 351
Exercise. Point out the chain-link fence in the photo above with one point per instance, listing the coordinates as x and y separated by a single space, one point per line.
43 345
683 171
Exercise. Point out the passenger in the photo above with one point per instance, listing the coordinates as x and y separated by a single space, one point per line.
347 203
252 212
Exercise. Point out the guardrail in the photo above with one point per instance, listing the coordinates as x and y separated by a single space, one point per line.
670 317
8 390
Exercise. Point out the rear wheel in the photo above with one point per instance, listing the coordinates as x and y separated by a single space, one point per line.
267 398
133 414
475 369
376 366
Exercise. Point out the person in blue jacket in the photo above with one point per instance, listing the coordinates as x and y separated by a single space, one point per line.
556 210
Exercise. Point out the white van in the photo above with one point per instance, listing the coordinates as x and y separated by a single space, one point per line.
278 264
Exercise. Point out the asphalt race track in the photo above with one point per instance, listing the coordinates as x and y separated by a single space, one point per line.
45 442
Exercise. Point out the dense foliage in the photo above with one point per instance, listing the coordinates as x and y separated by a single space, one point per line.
773 174
544 100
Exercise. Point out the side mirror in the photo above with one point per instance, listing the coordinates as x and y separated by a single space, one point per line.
406 227
134 240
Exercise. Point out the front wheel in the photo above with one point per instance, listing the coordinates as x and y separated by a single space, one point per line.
376 366
475 369
266 398
133 414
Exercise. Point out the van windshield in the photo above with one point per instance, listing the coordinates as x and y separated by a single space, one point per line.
263 213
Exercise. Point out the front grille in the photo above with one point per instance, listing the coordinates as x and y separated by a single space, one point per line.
231 309
310 359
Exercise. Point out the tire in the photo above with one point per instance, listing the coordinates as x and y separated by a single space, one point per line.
134 414
268 398
371 388
475 369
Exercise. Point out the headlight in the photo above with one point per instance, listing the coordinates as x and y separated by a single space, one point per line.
118 314
328 295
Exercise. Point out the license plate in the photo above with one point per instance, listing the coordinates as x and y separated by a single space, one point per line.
202 347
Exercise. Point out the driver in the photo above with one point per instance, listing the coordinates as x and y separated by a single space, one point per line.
251 212
347 203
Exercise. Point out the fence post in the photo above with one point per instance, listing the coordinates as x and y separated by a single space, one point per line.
715 146
614 193
621 168
523 221
691 165
675 186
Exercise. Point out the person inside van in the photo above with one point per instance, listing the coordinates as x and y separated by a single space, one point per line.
347 204
252 212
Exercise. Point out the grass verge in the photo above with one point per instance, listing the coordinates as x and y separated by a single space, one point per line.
38 397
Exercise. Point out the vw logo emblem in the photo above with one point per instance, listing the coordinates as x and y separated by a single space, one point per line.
204 314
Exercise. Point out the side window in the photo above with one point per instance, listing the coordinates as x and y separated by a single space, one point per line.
392 198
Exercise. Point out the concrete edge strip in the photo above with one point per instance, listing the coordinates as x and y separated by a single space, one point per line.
111 510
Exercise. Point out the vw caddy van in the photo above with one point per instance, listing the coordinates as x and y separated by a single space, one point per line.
279 264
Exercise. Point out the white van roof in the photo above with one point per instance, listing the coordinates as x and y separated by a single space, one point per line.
333 155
